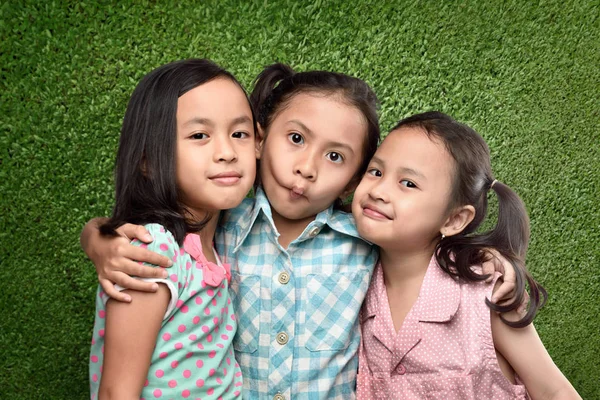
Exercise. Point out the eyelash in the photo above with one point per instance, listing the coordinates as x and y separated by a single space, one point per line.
247 135
200 136
375 171
371 170
409 182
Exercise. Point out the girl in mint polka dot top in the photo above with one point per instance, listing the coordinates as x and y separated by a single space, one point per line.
186 152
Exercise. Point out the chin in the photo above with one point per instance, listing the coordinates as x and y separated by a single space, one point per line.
369 234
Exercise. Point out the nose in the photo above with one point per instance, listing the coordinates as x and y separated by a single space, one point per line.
378 191
224 150
306 167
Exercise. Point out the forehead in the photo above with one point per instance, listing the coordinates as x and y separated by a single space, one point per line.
220 96
412 148
327 116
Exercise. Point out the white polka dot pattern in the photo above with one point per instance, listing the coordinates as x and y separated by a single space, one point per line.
444 349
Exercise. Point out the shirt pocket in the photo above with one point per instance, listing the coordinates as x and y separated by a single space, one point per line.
245 294
332 305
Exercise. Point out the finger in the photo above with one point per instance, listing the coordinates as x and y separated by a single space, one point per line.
504 291
113 293
487 268
144 255
134 268
522 309
138 232
129 282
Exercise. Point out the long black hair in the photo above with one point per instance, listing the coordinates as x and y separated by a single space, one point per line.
472 180
145 172
278 83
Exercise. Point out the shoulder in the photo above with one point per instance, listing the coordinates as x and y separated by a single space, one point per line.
163 241
344 223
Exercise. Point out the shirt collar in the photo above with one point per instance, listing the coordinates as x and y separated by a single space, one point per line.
337 220
261 204
440 295
438 299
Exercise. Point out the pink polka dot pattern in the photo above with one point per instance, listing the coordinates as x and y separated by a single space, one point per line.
444 348
193 354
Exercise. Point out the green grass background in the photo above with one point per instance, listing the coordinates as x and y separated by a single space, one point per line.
525 75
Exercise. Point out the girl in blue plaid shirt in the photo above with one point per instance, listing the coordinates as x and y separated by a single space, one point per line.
300 270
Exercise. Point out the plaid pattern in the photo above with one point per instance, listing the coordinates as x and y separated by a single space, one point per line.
329 269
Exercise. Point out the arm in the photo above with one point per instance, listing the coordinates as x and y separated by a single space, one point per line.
116 259
526 354
130 337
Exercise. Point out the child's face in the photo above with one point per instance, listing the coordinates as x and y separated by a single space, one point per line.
402 201
216 162
311 153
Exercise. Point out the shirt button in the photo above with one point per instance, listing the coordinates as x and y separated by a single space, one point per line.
313 232
279 396
284 278
401 369
282 338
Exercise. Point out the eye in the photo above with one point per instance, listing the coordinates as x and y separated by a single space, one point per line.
296 138
335 157
375 172
407 183
240 135
199 136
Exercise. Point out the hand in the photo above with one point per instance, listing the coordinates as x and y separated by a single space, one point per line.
505 293
116 260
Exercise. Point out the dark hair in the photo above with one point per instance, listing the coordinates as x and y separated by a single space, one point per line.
277 84
472 180
145 172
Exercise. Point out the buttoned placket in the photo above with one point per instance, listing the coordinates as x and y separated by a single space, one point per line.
283 323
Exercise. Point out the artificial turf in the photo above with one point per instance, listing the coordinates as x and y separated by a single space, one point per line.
524 75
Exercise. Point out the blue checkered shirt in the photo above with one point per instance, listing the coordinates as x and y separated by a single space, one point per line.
297 308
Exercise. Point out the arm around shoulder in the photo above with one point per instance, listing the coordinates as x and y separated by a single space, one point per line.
525 352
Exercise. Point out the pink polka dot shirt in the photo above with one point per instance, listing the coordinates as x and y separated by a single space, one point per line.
444 349
193 357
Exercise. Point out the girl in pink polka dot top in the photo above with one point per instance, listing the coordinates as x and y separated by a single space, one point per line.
186 152
428 328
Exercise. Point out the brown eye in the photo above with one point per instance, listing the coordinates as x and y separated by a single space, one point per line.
335 157
240 135
296 138
375 172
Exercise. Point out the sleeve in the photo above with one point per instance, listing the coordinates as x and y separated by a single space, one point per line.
164 244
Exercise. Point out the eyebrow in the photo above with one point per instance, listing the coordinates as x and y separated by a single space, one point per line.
205 121
404 170
329 144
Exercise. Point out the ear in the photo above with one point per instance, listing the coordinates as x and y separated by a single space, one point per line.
260 140
458 220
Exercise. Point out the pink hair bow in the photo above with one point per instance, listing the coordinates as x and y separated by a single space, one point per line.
213 274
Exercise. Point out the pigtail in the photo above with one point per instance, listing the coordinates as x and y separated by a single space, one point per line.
262 97
510 237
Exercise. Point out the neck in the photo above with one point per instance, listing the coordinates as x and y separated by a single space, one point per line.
289 229
402 266
207 233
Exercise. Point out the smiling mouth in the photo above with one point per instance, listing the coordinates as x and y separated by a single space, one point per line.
226 178
375 213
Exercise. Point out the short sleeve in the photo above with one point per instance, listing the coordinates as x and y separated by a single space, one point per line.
164 244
